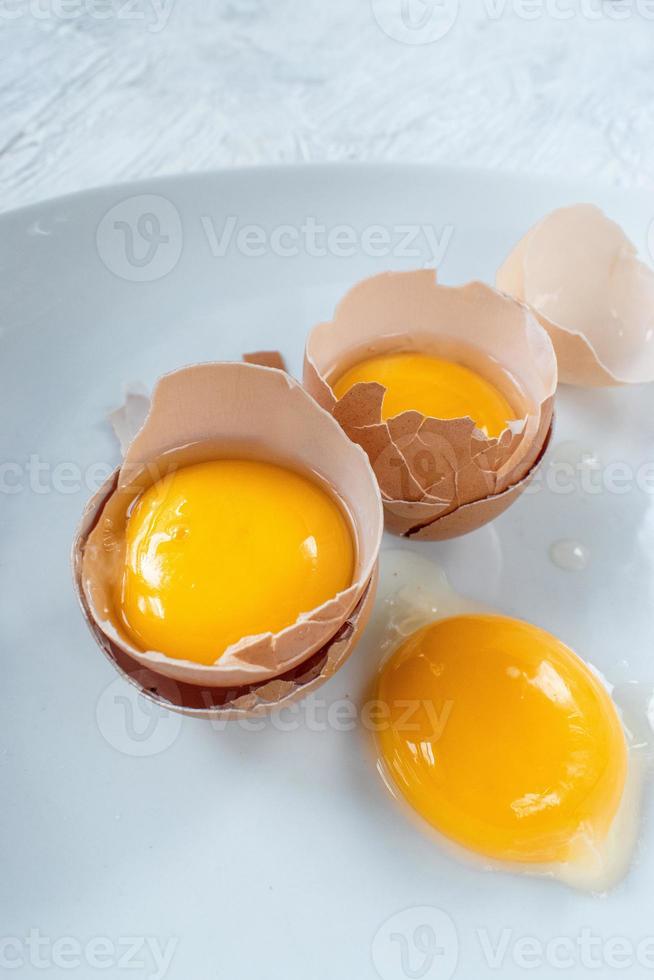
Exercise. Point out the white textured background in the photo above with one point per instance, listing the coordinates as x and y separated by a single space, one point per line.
99 91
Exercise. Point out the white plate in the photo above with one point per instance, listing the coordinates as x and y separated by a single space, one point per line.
270 853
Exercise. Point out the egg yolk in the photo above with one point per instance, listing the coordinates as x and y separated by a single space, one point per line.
502 738
432 386
226 549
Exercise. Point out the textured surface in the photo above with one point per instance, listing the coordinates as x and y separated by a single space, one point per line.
98 91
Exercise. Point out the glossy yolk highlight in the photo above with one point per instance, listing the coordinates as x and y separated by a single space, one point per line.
502 738
222 550
432 386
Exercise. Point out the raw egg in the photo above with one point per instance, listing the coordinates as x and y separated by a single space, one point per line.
449 390
504 741
433 386
226 549
235 549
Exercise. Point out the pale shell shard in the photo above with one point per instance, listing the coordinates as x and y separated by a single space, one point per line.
429 469
255 411
581 276
130 416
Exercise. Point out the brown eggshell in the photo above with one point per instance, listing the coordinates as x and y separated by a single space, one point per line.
249 700
266 358
469 517
431 469
580 275
203 412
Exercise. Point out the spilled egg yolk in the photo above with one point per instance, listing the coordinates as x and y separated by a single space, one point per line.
502 738
432 386
226 549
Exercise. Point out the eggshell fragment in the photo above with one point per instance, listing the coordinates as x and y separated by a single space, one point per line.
203 412
130 416
580 275
432 469
266 358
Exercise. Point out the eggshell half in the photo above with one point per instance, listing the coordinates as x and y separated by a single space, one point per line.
429 469
580 275
203 412
247 700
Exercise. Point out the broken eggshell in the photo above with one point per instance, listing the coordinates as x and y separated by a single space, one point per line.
130 416
580 275
246 700
439 478
203 412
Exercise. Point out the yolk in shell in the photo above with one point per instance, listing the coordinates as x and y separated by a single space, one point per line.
432 386
221 550
501 738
